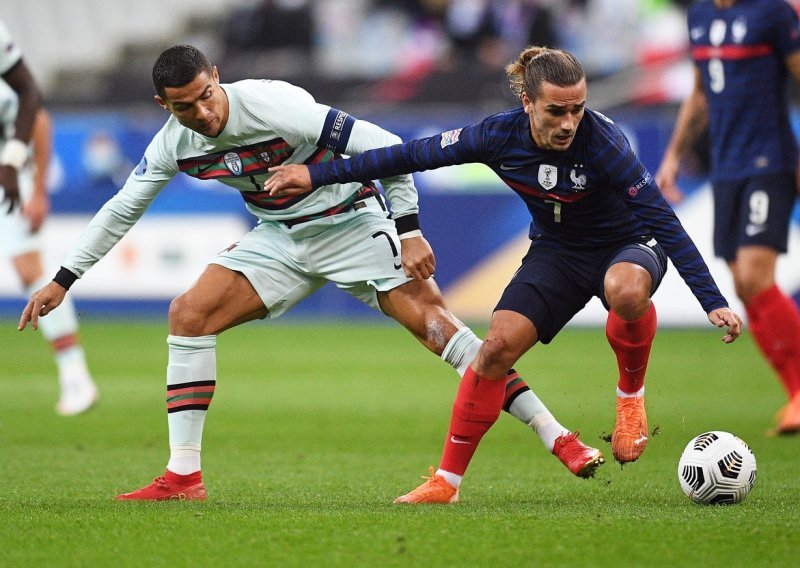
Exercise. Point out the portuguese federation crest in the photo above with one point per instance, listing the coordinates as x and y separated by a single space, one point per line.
234 163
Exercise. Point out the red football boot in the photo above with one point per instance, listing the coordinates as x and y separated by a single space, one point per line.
170 486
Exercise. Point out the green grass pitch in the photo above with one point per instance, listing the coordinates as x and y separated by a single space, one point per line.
315 428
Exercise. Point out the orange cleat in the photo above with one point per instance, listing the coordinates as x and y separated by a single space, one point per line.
629 438
579 458
170 486
790 418
435 490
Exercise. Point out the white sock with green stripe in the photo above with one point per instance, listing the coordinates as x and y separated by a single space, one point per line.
191 379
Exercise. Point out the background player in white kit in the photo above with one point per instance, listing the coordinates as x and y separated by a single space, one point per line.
25 206
344 234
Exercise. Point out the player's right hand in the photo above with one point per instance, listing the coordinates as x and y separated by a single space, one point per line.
10 186
42 302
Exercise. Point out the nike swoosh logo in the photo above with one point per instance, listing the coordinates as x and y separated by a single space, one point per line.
641 440
505 167
753 230
634 370
457 441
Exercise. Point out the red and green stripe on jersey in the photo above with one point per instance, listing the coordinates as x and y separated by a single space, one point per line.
195 395
249 161
237 162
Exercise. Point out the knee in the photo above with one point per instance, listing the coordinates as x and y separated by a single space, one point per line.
185 319
495 357
750 284
629 299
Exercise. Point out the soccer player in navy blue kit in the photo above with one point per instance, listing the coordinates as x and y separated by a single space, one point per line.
600 227
744 52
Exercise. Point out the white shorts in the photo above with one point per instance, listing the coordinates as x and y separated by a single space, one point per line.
359 251
16 237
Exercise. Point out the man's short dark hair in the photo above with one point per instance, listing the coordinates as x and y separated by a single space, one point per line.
178 66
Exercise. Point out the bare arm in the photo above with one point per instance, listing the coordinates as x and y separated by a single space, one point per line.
37 208
692 121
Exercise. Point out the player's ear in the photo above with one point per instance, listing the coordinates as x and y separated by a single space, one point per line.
527 103
160 102
215 74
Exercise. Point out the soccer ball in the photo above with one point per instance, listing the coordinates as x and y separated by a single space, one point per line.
717 468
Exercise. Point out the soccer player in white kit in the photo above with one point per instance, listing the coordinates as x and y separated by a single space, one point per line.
24 209
341 234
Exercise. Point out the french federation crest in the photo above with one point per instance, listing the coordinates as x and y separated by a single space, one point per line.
234 163
450 137
548 176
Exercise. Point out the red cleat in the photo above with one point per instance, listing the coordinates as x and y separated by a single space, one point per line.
170 486
580 459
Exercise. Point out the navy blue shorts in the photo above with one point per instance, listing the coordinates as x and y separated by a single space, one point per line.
753 211
553 284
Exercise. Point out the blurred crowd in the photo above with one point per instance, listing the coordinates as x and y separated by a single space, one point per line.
442 49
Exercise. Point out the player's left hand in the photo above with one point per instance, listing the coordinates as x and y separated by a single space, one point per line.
10 186
288 180
417 258
41 303
722 317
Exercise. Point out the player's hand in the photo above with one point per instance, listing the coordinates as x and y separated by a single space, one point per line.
667 179
36 210
42 302
416 256
288 181
722 317
10 186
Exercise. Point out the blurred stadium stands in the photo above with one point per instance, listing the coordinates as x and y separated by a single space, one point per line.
416 67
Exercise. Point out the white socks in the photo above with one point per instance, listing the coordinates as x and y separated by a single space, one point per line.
191 379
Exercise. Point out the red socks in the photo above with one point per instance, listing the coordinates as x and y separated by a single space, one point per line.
775 324
476 408
631 342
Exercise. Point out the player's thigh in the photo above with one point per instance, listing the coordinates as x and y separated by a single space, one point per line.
272 261
632 273
361 256
16 238
550 287
28 266
218 300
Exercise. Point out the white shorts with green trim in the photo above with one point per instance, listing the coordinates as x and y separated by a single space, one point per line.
359 251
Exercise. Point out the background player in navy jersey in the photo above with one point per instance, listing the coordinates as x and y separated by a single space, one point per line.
600 227
744 52
344 234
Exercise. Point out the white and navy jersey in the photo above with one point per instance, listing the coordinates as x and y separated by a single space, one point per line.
595 194
269 123
740 52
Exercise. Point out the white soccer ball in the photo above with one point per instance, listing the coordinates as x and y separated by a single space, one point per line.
717 468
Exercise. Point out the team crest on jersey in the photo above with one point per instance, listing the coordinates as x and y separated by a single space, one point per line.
716 34
234 163
548 176
450 137
141 168
578 180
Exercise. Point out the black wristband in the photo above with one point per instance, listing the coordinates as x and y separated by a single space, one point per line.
64 278
407 223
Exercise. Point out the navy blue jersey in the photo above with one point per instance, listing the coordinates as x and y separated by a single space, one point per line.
741 54
594 194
